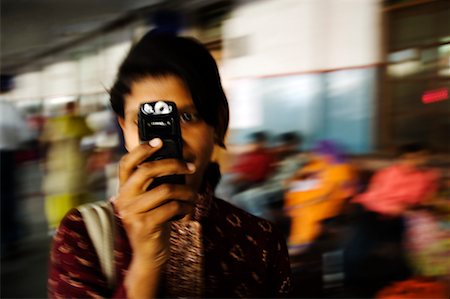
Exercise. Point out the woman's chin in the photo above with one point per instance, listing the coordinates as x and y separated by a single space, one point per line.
193 182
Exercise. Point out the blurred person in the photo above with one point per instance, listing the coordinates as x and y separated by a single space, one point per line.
378 218
261 200
64 182
253 167
215 249
316 192
250 168
287 145
427 237
101 160
35 122
403 185
14 133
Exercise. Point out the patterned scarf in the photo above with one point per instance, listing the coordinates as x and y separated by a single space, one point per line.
184 269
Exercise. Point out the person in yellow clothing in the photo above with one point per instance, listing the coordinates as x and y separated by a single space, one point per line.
317 192
64 183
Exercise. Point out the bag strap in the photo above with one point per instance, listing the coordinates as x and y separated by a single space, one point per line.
99 220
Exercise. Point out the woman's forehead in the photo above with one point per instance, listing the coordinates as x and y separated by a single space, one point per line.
151 89
157 86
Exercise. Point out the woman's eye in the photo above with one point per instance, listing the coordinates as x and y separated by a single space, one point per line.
187 117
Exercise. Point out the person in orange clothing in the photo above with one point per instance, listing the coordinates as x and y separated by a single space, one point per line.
316 192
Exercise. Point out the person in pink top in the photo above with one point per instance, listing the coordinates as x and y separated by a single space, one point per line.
403 185
374 255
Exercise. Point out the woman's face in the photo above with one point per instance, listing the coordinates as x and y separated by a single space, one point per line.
198 136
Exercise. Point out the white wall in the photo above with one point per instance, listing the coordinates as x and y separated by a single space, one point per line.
27 86
273 37
76 72
60 79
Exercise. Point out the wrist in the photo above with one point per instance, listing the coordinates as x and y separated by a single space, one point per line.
142 263
142 279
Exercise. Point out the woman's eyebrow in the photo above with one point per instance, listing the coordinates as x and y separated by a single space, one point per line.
187 107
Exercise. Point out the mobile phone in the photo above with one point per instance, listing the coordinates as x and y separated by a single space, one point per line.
161 119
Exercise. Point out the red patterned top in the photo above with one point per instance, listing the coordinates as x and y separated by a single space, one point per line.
241 256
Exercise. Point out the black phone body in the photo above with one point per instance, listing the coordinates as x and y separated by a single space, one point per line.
161 119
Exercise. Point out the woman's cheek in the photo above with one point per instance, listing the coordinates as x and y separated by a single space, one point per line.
131 139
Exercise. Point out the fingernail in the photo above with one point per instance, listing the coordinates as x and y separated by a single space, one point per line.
155 142
191 166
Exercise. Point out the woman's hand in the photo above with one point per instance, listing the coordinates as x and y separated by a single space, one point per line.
146 214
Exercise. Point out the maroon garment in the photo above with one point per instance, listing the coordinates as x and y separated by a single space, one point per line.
243 256
254 166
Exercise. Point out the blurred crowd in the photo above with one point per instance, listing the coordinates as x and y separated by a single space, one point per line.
351 231
75 153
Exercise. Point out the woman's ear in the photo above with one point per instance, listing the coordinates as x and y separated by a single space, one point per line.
121 121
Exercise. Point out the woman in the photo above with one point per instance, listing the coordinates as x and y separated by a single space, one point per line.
215 250
317 191
65 180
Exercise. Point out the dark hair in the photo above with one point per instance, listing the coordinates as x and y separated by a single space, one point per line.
412 147
160 55
289 138
259 136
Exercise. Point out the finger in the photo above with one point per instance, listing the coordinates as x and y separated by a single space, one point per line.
171 210
130 161
156 219
143 176
157 197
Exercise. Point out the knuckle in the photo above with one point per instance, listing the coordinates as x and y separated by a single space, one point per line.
125 158
174 206
178 163
127 219
123 162
119 202
166 189
119 206
173 164
140 223
136 225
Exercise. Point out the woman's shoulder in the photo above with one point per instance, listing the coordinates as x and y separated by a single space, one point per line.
71 236
74 268
71 224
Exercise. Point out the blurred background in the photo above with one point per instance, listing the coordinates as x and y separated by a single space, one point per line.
350 78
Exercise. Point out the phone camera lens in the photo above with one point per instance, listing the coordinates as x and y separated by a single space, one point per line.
162 108
148 109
